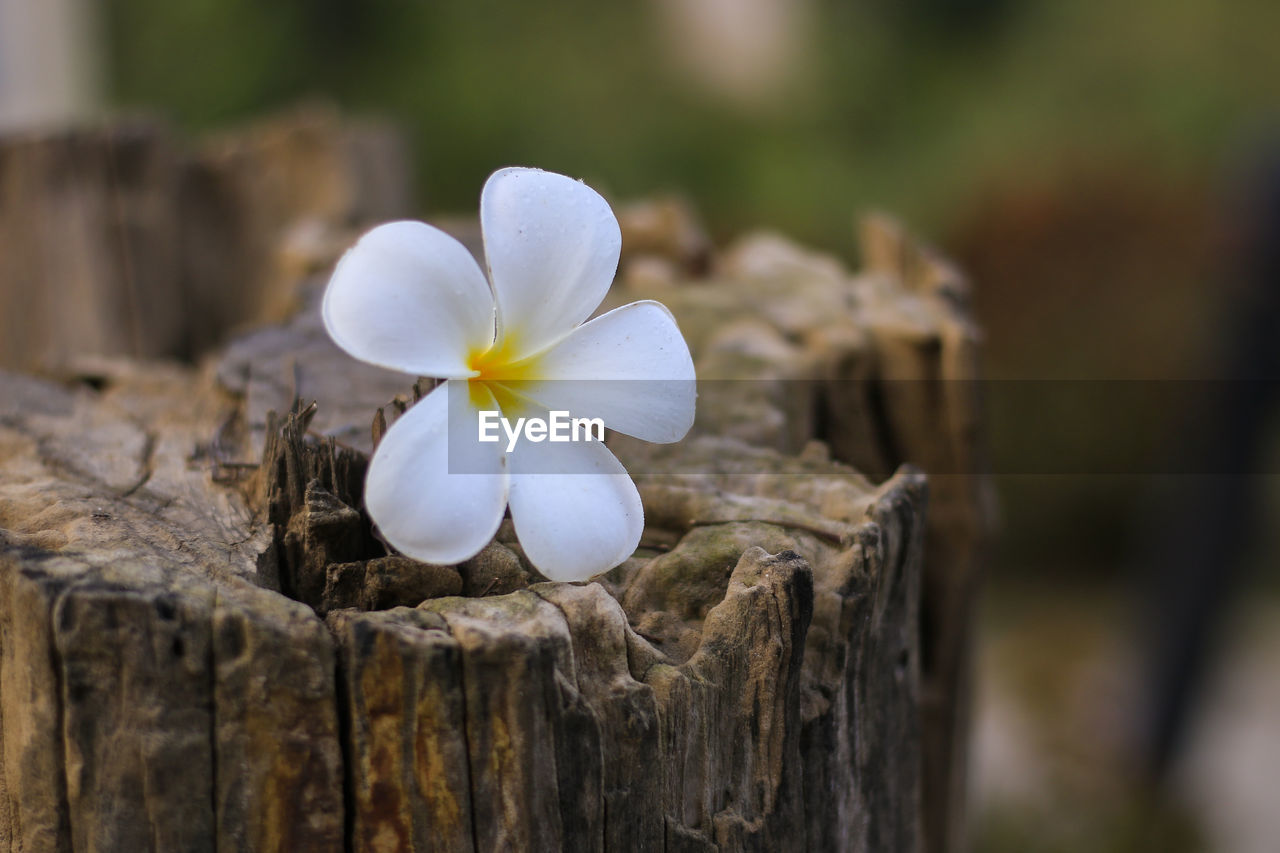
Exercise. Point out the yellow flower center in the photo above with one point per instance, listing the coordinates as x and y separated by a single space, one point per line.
500 372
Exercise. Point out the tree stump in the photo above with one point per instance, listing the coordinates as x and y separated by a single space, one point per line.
126 240
204 646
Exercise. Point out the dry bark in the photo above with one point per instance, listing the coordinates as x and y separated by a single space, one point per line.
200 652
126 240
882 367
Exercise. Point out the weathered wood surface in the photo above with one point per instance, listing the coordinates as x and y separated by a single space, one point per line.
881 367
196 653
155 697
125 240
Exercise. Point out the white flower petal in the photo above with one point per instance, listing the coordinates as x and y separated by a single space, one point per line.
421 507
631 367
581 518
552 246
409 297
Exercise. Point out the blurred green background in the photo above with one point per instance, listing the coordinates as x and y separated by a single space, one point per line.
1077 158
918 106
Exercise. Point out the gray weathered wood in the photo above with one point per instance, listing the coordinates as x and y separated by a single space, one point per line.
123 239
197 652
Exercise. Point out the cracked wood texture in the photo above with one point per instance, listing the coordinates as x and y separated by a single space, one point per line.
200 652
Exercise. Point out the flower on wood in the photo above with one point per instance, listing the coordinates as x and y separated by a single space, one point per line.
411 298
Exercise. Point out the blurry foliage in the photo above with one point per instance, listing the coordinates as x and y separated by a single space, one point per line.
1121 826
909 105
1056 686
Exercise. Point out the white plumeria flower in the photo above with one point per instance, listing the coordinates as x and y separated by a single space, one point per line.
411 298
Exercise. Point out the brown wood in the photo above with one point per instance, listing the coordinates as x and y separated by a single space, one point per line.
123 239
198 652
